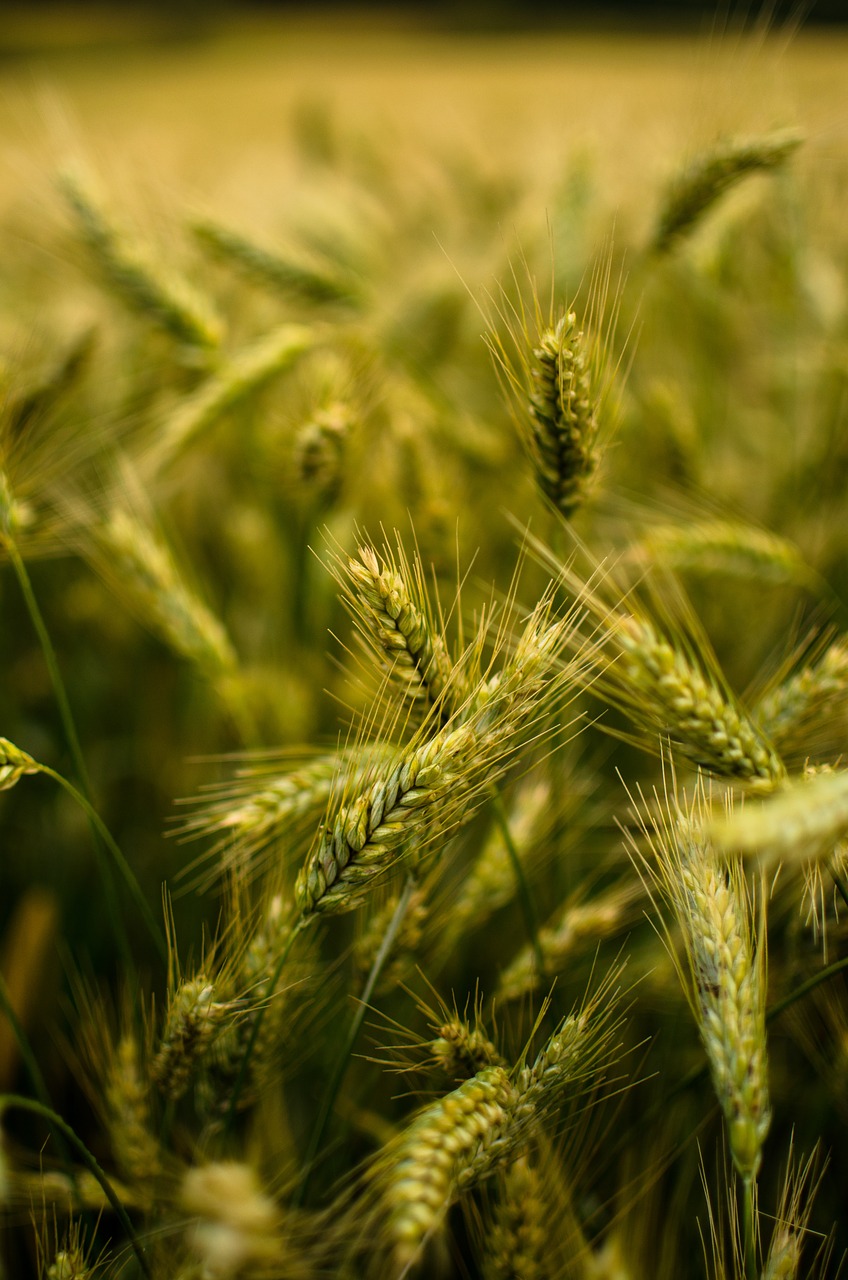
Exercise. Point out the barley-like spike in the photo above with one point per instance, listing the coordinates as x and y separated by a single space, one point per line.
804 820
724 547
710 175
389 597
793 706
518 1244
134 1145
563 417
465 1136
578 928
244 817
302 273
242 376
432 785
406 944
661 682
140 563
235 1224
69 1264
462 1049
452 1145
193 1020
726 979
129 269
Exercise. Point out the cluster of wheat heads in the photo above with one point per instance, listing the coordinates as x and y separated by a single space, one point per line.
510 944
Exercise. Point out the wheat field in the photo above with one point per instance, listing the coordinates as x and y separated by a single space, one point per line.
423 471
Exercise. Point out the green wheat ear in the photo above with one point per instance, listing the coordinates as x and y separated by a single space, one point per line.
562 414
698 188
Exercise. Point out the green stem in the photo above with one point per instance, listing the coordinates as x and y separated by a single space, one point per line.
841 887
343 1059
241 1078
120 862
528 907
84 796
810 985
61 1126
52 666
749 1233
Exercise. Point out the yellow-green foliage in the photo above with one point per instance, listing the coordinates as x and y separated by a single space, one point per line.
437 597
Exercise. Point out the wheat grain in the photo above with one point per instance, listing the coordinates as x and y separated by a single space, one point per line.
796 706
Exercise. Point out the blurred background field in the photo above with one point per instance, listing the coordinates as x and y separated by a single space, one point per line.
412 184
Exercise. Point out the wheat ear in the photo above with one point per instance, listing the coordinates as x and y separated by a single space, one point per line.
725 974
387 595
805 820
129 268
563 423
660 685
299 273
806 697
136 558
465 1136
242 376
518 1242
710 175
432 786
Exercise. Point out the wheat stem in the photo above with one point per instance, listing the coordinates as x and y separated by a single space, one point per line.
344 1055
61 1126
749 1227
59 691
33 1070
525 897
120 861
241 1077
